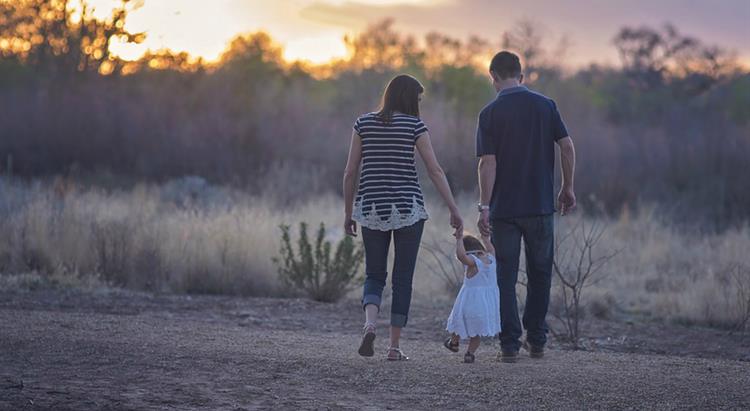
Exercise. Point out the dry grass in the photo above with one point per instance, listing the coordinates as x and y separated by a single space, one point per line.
187 236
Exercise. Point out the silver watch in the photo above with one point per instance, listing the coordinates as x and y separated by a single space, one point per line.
481 207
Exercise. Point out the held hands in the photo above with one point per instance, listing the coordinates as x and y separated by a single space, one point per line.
458 234
457 223
567 200
483 223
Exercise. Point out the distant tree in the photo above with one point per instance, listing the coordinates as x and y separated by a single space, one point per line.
60 36
526 39
656 57
164 60
382 48
540 61
441 50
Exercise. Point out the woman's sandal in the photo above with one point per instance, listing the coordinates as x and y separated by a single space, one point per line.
400 356
469 358
367 347
453 347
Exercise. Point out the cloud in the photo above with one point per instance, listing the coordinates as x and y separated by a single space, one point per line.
590 24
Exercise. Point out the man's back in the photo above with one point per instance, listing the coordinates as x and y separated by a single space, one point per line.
520 127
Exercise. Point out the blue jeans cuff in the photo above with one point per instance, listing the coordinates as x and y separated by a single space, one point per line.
371 299
398 320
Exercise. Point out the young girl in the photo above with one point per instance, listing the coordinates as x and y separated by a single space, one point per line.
476 311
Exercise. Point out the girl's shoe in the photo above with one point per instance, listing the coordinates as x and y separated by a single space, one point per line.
450 345
395 354
367 347
469 358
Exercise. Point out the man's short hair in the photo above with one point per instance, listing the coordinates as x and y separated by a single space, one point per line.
506 65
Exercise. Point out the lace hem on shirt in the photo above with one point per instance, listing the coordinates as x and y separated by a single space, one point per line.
394 221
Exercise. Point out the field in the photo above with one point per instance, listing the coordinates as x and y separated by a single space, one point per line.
124 350
149 203
187 236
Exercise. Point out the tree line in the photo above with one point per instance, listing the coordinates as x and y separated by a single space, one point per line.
668 126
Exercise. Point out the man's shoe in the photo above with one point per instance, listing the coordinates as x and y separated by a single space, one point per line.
508 356
535 351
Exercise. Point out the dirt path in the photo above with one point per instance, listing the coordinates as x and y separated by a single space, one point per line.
63 350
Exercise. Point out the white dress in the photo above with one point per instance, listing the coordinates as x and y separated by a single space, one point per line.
476 311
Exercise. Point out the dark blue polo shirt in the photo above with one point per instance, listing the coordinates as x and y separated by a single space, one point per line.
520 127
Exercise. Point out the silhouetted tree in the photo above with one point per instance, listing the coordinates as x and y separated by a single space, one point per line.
653 58
63 36
380 47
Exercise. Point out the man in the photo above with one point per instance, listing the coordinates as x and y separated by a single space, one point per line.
516 138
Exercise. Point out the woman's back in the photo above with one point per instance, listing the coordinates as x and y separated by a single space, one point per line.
389 195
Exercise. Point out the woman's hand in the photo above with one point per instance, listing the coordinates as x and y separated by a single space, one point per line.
457 222
350 227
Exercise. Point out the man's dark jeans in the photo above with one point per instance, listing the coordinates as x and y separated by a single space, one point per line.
406 243
538 237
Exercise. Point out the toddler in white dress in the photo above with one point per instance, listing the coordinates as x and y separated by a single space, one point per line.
476 312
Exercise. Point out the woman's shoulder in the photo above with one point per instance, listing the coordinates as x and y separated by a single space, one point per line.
367 116
406 117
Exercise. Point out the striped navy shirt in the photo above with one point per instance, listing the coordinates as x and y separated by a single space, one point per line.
389 195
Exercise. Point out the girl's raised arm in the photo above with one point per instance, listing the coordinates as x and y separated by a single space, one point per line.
487 242
461 252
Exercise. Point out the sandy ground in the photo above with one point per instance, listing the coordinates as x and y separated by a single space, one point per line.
117 350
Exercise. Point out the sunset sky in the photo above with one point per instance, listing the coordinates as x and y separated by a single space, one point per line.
313 29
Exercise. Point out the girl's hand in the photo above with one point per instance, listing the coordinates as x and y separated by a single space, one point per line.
350 227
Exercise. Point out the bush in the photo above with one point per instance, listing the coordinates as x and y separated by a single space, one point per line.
312 271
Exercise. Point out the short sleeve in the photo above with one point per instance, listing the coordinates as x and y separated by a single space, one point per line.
477 261
486 144
357 125
419 129
559 130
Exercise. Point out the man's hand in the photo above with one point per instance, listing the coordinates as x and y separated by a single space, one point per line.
567 200
483 224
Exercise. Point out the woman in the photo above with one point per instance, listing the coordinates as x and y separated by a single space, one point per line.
389 201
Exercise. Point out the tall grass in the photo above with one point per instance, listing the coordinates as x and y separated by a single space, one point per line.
186 236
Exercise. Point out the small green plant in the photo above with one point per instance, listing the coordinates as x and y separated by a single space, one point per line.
312 271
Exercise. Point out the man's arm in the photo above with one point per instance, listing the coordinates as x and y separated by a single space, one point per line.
486 183
567 197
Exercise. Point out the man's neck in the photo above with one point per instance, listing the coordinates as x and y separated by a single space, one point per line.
506 84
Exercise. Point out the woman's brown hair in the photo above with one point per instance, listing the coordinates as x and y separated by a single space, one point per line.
402 95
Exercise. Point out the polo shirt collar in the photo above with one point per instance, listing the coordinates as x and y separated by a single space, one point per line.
511 90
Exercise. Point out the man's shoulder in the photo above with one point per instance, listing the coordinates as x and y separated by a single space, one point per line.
541 97
488 108
527 93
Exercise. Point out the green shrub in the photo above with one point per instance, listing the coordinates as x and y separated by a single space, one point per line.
312 271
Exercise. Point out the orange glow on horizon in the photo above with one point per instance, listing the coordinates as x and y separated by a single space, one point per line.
312 31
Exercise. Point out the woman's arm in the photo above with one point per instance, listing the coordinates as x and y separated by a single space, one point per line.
424 146
351 172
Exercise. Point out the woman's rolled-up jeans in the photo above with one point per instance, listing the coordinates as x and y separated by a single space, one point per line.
406 243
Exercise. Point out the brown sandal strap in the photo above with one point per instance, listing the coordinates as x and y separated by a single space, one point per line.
401 355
